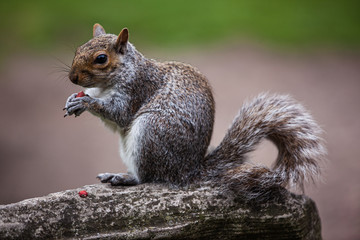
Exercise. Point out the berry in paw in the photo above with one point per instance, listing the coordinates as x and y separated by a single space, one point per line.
80 94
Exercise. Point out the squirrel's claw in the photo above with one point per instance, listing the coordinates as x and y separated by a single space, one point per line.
66 114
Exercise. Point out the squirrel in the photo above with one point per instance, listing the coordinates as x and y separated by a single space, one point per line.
164 114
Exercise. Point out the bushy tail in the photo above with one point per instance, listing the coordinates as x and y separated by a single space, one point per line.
289 126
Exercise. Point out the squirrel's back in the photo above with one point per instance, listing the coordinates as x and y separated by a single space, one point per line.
179 121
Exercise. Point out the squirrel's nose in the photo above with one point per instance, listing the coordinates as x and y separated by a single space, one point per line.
74 78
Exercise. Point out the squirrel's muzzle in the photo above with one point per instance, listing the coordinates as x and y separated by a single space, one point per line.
74 78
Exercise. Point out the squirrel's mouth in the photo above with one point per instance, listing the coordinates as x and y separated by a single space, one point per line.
88 85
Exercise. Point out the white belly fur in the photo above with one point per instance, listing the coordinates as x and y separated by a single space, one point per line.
130 146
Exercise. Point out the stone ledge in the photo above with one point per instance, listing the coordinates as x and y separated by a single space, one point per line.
150 211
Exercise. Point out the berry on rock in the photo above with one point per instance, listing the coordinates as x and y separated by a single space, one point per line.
83 194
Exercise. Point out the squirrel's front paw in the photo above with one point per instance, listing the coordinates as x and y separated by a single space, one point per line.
76 105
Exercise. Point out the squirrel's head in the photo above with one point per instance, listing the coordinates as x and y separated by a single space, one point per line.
96 60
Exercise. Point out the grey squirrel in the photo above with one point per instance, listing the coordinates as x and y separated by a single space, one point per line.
164 114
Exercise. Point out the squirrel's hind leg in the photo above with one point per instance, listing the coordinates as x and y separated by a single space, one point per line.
118 179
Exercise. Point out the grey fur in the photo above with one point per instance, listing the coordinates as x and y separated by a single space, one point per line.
164 113
289 126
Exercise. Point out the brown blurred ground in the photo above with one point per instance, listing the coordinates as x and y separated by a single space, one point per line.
41 152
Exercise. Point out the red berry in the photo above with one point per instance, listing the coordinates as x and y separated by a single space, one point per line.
83 194
80 94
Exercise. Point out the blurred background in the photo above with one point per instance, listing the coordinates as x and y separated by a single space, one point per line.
309 49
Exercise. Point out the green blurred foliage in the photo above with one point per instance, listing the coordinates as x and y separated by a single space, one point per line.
171 23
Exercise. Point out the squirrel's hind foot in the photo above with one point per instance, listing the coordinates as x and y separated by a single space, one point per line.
118 179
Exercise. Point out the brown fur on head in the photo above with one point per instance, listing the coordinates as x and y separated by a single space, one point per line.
95 60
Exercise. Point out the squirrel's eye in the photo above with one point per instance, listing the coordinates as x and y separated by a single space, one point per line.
102 58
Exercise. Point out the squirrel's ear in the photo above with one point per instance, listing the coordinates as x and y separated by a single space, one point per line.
122 40
98 30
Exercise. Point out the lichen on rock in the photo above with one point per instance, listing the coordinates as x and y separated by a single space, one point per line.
147 211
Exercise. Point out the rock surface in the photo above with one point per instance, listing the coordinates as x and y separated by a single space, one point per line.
150 211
